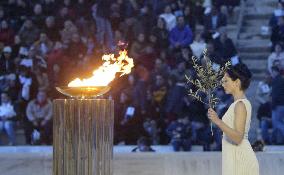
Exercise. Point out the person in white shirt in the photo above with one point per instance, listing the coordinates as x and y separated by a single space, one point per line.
198 45
7 117
277 55
169 17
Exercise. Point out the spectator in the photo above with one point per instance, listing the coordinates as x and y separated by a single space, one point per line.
138 47
213 54
199 123
179 132
277 55
130 29
42 78
198 46
6 33
214 20
277 13
189 17
43 45
104 33
28 33
277 34
146 19
49 7
38 17
169 18
68 31
51 29
224 45
6 62
181 35
277 103
263 97
7 117
39 114
161 33
150 126
143 145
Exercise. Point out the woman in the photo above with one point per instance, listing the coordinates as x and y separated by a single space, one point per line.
238 157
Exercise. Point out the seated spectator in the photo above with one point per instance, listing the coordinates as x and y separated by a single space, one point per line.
42 78
181 35
6 62
178 90
51 29
138 47
179 131
277 13
200 130
6 33
28 33
160 68
169 17
152 130
39 114
146 19
7 117
277 95
224 45
38 16
276 55
213 54
43 45
161 32
67 32
189 17
277 34
214 20
264 110
198 46
144 145
130 29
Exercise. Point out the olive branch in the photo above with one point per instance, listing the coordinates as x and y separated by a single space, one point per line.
207 81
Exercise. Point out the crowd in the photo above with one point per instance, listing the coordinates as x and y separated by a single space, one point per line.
270 91
47 43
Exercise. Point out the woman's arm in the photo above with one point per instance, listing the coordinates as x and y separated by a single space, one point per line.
236 134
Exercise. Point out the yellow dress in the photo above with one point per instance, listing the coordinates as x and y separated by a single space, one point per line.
238 159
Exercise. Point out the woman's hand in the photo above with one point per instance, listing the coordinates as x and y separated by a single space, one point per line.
212 115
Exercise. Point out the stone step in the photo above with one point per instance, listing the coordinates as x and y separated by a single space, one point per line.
255 22
20 137
256 65
253 46
229 27
254 55
253 35
259 12
270 3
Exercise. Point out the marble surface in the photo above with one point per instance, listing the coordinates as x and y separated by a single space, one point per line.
38 160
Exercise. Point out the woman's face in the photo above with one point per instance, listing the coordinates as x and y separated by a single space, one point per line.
228 84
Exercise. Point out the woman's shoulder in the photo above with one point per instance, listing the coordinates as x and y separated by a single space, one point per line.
240 103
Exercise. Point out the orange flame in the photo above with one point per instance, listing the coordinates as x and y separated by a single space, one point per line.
106 73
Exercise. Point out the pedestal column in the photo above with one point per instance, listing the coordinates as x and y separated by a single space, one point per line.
83 137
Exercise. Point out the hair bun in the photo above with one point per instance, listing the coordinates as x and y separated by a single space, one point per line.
242 70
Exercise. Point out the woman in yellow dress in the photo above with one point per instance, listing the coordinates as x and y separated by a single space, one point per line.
238 157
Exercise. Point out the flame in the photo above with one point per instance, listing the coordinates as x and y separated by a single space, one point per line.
106 73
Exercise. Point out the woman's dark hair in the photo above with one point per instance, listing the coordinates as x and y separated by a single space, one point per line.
240 71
